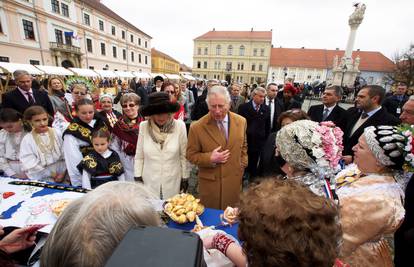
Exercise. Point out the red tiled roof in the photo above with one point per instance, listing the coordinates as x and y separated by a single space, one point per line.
155 52
323 59
96 4
226 35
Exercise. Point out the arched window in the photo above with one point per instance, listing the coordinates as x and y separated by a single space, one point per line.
241 52
218 50
230 50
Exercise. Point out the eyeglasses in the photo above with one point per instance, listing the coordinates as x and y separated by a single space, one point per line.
170 92
129 105
78 93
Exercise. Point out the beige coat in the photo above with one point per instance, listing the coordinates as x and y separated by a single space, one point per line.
219 185
162 168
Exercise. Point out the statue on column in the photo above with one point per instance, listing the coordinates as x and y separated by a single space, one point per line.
356 63
356 18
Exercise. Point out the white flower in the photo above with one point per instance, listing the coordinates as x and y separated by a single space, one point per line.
316 139
318 152
322 162
408 147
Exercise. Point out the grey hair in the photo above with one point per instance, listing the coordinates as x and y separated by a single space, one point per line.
218 90
91 227
133 97
336 88
18 73
258 89
411 98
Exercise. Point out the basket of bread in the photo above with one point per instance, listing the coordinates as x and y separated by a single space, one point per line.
183 208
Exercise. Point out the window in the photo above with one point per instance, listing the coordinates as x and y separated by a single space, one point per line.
198 65
228 66
124 54
132 56
241 52
123 35
199 51
91 67
55 6
1 28
113 30
309 77
65 10
215 65
101 25
260 67
238 66
86 19
114 51
146 44
146 60
255 52
139 41
218 50
205 76
59 36
318 76
206 51
28 30
132 38
4 59
242 66
205 64
89 45
139 58
34 62
68 39
262 52
230 50
103 52
253 67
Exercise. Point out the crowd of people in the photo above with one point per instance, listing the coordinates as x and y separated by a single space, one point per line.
326 187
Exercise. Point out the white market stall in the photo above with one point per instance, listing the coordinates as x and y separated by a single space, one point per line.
8 69
188 77
107 73
142 75
173 76
54 70
124 74
84 72
153 75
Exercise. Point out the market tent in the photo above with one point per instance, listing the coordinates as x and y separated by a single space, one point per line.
84 72
157 74
54 70
188 77
124 74
6 67
107 73
142 75
173 76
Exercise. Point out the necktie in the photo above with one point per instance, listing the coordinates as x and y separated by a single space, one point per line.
325 114
364 115
222 129
257 108
30 97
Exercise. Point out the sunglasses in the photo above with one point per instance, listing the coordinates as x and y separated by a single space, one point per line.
129 105
78 93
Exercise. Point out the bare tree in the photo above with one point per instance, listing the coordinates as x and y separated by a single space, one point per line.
404 67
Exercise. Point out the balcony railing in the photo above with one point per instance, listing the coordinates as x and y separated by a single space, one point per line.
65 48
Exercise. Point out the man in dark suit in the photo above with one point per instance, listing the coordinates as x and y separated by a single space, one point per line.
329 110
200 107
275 106
393 104
368 112
404 236
236 98
25 96
258 127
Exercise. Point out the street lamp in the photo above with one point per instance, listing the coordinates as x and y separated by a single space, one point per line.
344 69
285 74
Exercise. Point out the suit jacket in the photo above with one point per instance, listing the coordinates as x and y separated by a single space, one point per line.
292 104
392 104
200 107
278 103
16 100
337 115
258 127
234 106
219 184
381 117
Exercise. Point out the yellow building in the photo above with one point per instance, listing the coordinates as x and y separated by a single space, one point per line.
234 56
163 63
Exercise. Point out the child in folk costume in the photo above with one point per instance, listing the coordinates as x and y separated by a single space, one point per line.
41 152
10 138
101 165
77 141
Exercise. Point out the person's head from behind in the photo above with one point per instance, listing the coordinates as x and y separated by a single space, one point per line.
283 223
11 120
100 140
331 95
370 97
407 115
91 227
23 79
291 115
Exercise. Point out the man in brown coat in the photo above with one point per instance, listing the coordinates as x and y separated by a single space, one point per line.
217 145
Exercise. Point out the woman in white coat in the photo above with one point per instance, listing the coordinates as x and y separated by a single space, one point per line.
160 161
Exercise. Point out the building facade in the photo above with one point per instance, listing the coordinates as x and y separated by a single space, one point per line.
315 65
234 56
163 63
71 33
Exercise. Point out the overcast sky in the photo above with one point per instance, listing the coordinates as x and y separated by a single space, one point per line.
173 24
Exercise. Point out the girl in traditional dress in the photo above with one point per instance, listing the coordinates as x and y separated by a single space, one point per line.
101 165
10 138
41 152
77 137
125 133
109 114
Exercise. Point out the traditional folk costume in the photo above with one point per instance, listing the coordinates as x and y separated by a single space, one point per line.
124 142
98 169
61 105
77 143
110 118
10 151
41 155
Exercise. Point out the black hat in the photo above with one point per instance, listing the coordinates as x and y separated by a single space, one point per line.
158 78
159 103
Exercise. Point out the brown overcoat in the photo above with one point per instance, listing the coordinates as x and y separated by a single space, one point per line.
219 185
